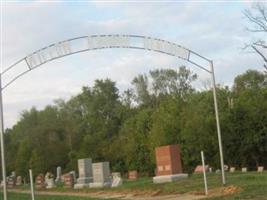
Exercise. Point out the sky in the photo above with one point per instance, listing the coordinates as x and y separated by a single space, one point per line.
216 30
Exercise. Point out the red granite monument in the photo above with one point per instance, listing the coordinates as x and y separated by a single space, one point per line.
40 181
168 160
169 166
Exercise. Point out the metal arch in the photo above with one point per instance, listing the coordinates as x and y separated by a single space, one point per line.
64 48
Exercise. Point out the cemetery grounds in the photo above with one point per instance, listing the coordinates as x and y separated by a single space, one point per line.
250 185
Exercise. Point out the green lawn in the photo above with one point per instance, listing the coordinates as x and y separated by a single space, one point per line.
252 185
13 196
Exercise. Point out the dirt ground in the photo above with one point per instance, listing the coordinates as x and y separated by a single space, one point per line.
106 195
136 196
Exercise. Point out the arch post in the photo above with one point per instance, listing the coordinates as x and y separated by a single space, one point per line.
2 142
217 122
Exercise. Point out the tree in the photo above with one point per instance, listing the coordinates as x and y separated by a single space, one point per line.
257 16
166 123
22 158
169 81
249 118
151 89
251 79
134 140
102 118
101 124
141 85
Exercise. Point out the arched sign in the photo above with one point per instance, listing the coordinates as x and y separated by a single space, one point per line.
94 42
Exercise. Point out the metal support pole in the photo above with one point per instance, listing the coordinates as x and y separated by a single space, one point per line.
2 142
218 123
204 173
32 187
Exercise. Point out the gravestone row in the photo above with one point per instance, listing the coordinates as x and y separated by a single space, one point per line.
95 175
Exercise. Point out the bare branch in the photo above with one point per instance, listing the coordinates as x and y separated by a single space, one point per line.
260 45
258 18
262 11
261 54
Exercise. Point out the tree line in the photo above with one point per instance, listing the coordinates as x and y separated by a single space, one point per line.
161 108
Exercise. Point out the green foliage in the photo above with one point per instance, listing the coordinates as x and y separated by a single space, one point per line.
162 108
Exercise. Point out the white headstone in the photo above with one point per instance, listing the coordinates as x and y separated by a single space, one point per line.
50 183
244 169
260 169
19 181
49 180
59 173
116 179
232 169
13 174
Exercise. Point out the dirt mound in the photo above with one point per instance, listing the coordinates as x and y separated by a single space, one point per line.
231 190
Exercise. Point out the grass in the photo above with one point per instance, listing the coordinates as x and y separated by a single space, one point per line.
14 196
252 185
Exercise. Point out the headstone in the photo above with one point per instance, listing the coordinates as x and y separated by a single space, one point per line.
199 169
13 174
218 171
24 181
11 181
226 167
132 175
68 180
19 181
2 184
232 169
260 168
210 169
101 175
244 169
40 181
59 173
85 173
116 179
116 174
169 167
49 180
73 173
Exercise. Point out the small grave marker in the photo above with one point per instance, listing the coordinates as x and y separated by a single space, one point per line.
232 169
132 175
244 169
40 181
260 168
68 180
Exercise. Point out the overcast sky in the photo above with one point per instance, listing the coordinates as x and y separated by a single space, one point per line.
215 30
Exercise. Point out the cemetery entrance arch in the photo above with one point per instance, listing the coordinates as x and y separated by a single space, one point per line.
94 42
